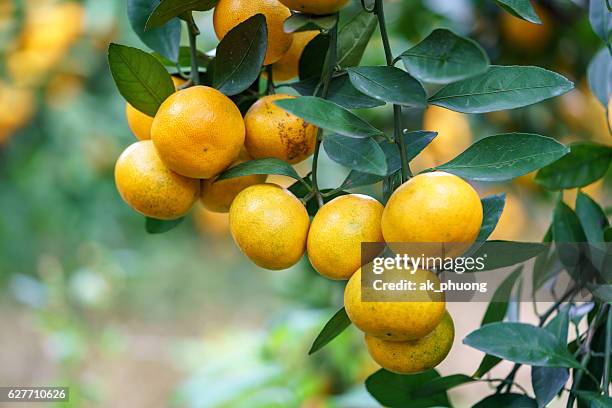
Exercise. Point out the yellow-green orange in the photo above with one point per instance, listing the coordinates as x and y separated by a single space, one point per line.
198 132
319 7
287 67
337 231
149 187
217 195
269 225
416 355
411 319
273 132
433 207
229 13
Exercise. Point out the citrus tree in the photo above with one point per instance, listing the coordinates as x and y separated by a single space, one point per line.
213 126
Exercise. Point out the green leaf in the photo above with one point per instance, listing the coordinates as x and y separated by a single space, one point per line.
313 58
155 226
442 384
389 84
260 166
599 74
521 9
184 61
501 254
521 343
329 116
595 399
165 39
601 20
445 57
306 22
353 38
395 390
358 179
240 56
566 225
361 154
416 141
507 401
341 91
332 329
168 9
487 363
492 209
501 88
547 382
505 156
558 326
141 79
592 218
607 234
586 162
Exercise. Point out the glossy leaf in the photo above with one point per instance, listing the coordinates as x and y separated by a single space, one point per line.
492 209
240 56
358 179
389 84
341 91
592 218
361 154
501 254
313 58
168 9
442 384
559 325
505 156
595 399
599 74
521 9
500 88
395 390
444 57
521 343
260 166
416 141
332 329
353 38
184 61
155 226
566 225
165 39
329 116
306 22
585 163
507 401
141 79
547 382
601 20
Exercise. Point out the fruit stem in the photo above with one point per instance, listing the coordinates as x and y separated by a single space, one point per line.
397 109
193 33
270 82
332 55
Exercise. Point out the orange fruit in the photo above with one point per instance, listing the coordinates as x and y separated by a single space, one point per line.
273 132
198 132
525 36
149 187
287 67
229 13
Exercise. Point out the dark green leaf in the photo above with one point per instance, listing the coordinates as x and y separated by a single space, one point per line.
507 401
521 9
240 56
313 57
505 156
547 382
585 163
487 363
329 116
341 91
168 9
566 225
492 208
442 384
184 61
359 179
501 254
599 75
306 22
592 218
595 399
361 154
397 391
260 166
332 329
155 226
445 57
521 343
389 84
353 38
608 234
496 311
601 20
164 40
141 79
416 141
501 88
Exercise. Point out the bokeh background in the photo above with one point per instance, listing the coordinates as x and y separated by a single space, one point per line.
89 300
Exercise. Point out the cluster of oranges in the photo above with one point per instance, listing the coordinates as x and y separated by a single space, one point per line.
198 133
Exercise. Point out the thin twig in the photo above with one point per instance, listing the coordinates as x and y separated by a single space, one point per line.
193 50
606 376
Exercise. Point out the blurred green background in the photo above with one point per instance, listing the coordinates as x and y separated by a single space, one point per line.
88 299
